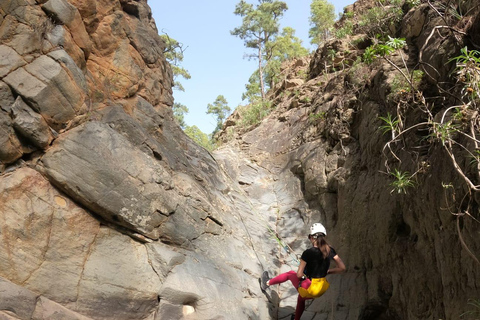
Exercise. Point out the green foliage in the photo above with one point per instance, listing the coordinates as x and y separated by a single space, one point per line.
401 87
450 9
174 54
443 131
252 92
475 304
322 18
199 137
468 72
475 158
220 110
402 181
380 19
379 49
179 111
390 124
383 49
314 117
260 25
349 14
369 55
344 31
396 43
284 47
254 112
412 3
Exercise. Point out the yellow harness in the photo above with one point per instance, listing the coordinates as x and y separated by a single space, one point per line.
316 289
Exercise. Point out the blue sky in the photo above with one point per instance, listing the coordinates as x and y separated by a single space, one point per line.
213 57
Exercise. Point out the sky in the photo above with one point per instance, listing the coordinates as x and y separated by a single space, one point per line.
213 57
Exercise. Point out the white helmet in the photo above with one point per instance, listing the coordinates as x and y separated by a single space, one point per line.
318 228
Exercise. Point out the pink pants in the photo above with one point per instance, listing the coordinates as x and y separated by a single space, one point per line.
292 276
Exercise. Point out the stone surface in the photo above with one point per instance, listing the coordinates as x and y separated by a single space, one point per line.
17 300
49 89
10 146
6 97
11 60
30 124
121 184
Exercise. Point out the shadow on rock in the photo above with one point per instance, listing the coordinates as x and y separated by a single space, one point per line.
276 312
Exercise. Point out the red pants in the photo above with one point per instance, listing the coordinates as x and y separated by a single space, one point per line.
292 276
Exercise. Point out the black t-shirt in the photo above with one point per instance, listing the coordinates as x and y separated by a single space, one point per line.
317 266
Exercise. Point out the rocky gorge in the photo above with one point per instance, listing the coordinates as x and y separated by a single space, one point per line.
109 211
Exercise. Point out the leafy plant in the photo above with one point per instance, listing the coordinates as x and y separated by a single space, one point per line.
322 18
313 117
412 3
391 124
400 86
254 112
468 72
443 131
396 43
380 18
476 308
345 31
403 180
475 158
369 55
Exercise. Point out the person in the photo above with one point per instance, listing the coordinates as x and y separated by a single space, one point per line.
314 267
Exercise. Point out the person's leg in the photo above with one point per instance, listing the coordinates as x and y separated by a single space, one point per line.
290 275
300 307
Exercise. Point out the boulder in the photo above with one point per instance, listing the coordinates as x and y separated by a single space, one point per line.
30 124
11 60
17 300
6 97
63 12
59 251
10 146
102 170
49 89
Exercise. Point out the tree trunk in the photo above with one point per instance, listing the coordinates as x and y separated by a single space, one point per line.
260 72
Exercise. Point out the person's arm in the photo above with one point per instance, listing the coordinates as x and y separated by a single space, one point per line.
339 268
301 269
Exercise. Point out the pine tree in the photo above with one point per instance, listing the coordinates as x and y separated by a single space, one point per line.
322 18
260 25
174 54
220 110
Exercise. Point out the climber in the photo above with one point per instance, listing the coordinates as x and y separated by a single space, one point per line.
313 268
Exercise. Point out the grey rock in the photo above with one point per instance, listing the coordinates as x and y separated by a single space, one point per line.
11 60
120 266
10 146
49 89
102 170
16 299
60 10
62 57
47 309
30 124
6 97
58 250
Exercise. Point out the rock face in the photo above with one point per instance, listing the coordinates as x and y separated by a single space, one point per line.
108 211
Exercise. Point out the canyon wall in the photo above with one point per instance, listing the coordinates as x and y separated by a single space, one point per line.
109 211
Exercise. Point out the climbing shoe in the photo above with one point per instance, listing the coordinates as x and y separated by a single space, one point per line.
263 281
